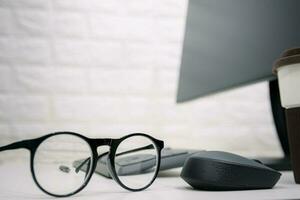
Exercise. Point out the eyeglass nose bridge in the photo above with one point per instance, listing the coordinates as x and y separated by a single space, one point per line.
102 142
95 143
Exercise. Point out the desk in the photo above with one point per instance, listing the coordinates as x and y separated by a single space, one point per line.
16 183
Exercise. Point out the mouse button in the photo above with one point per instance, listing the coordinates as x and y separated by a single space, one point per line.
230 158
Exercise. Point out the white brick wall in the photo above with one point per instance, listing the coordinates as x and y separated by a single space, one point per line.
110 67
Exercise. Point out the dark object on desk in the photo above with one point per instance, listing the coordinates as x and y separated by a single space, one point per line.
170 158
281 163
293 116
279 118
216 170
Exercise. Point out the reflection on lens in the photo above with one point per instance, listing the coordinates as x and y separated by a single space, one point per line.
54 160
136 162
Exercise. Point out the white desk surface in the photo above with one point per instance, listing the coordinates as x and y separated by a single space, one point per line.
16 183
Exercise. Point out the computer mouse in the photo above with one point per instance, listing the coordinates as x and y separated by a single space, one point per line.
217 170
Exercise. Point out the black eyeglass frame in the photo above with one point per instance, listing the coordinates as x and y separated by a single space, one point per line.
94 143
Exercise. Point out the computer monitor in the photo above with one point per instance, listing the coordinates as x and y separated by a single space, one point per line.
230 43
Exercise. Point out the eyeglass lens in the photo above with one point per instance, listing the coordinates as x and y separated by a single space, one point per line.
136 162
53 163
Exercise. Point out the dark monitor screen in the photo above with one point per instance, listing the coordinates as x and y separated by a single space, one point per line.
229 43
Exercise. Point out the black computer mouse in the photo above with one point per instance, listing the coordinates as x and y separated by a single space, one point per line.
217 170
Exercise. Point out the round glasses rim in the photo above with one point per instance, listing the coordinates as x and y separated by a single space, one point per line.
88 177
113 155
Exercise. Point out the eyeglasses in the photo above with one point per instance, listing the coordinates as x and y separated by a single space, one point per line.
62 163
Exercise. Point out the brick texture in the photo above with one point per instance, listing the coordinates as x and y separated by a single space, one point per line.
108 68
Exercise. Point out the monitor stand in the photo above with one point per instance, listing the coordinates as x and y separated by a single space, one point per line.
280 124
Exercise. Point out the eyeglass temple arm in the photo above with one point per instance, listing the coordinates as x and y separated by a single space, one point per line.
150 146
15 145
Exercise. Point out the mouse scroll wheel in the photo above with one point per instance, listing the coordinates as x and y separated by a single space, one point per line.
258 161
